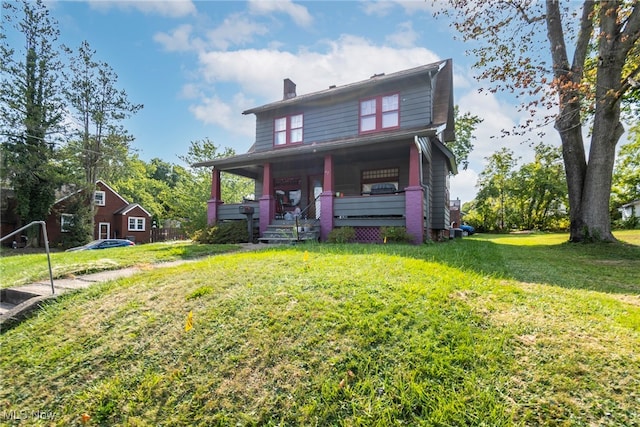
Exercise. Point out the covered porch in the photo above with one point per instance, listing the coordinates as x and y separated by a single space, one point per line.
364 186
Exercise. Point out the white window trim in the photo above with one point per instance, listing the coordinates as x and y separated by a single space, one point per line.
64 229
375 118
99 201
287 130
136 219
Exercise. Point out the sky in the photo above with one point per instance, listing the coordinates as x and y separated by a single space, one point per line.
196 65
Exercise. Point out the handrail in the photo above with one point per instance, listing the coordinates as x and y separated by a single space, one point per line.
309 205
46 245
300 215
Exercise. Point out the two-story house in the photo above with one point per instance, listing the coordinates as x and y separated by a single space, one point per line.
365 155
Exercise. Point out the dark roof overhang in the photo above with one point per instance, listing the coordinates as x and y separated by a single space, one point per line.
249 164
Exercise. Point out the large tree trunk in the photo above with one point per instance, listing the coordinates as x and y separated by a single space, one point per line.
567 79
575 169
589 182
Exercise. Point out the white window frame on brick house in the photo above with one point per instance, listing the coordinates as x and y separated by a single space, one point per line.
136 223
65 222
99 198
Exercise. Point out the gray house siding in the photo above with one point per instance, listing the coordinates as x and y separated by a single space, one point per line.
328 122
439 196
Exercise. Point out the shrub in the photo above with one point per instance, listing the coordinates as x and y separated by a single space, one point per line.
224 232
395 234
342 235
630 223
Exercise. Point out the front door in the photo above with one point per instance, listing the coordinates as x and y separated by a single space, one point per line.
104 230
315 189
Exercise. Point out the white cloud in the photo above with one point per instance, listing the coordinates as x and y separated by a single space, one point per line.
385 7
463 185
496 116
213 110
235 30
405 36
298 13
379 8
260 71
179 39
169 8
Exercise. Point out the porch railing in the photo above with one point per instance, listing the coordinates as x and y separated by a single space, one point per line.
374 210
231 211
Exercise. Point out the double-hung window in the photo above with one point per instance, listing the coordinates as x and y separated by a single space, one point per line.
99 198
136 223
380 113
287 130
66 222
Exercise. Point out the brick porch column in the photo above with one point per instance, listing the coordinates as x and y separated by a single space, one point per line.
267 201
214 201
414 197
326 199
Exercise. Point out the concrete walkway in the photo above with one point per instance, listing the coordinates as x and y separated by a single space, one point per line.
18 302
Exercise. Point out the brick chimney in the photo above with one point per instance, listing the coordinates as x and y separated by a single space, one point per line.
289 89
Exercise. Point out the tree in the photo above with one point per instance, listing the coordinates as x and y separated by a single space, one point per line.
532 196
538 191
626 175
99 108
604 35
31 108
494 184
190 197
462 146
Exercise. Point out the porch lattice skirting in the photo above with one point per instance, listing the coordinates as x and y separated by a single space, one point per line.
368 234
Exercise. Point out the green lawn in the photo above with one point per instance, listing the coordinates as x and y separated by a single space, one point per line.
488 330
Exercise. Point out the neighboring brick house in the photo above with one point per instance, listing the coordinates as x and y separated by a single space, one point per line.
115 218
365 155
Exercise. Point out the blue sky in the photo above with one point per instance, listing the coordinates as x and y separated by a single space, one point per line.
196 65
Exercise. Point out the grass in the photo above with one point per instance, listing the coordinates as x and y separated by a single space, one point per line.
469 332
21 269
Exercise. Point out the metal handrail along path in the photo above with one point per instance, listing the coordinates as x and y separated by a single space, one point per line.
46 245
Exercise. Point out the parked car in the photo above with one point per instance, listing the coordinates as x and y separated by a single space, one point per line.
469 229
103 244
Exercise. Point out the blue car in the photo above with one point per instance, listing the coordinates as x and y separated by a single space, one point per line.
103 244
469 229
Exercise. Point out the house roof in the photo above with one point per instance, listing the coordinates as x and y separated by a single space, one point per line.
634 203
252 158
441 127
126 209
97 182
375 80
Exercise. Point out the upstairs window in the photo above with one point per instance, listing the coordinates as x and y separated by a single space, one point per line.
380 113
99 198
287 130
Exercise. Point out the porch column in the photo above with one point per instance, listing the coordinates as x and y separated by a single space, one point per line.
326 199
267 201
414 198
214 201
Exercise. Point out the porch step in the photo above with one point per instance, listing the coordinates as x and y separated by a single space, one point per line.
284 232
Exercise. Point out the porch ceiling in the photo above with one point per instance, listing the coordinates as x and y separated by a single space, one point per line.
249 164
